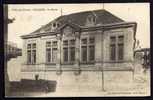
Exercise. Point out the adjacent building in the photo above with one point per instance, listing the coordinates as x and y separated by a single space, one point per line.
12 51
90 40
142 55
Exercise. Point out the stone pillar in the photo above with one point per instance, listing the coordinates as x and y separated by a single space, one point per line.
58 63
77 53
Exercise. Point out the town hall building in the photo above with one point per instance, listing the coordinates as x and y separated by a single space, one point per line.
90 40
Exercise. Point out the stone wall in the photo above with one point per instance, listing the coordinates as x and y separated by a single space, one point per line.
87 80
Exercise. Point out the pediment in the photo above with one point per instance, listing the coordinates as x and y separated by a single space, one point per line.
68 31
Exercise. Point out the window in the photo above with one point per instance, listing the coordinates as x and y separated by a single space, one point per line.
29 56
65 43
72 42
29 46
33 56
65 50
72 54
91 48
84 41
91 40
48 51
54 55
54 51
116 48
113 48
88 49
69 51
91 53
120 51
113 52
84 49
48 44
54 43
51 52
34 46
120 47
48 55
84 53
113 40
72 50
31 53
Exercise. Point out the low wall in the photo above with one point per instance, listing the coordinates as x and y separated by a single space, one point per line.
91 80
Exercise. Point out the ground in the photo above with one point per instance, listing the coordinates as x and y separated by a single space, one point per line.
116 83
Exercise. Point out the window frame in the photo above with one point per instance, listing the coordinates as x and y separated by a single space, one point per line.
68 45
33 53
88 44
48 46
91 44
65 55
48 53
113 48
72 44
119 44
53 45
84 45
91 53
28 56
116 43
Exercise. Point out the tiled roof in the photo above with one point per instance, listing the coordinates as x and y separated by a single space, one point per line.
103 17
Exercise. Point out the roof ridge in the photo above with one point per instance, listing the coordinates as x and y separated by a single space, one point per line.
79 17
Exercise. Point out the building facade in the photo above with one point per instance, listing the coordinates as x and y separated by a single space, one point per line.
90 40
12 51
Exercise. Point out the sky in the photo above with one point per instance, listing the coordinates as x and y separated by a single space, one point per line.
30 17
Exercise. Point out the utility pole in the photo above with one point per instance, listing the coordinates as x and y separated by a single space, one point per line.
102 69
103 5
61 12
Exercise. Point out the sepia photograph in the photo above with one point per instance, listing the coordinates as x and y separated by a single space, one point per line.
77 50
